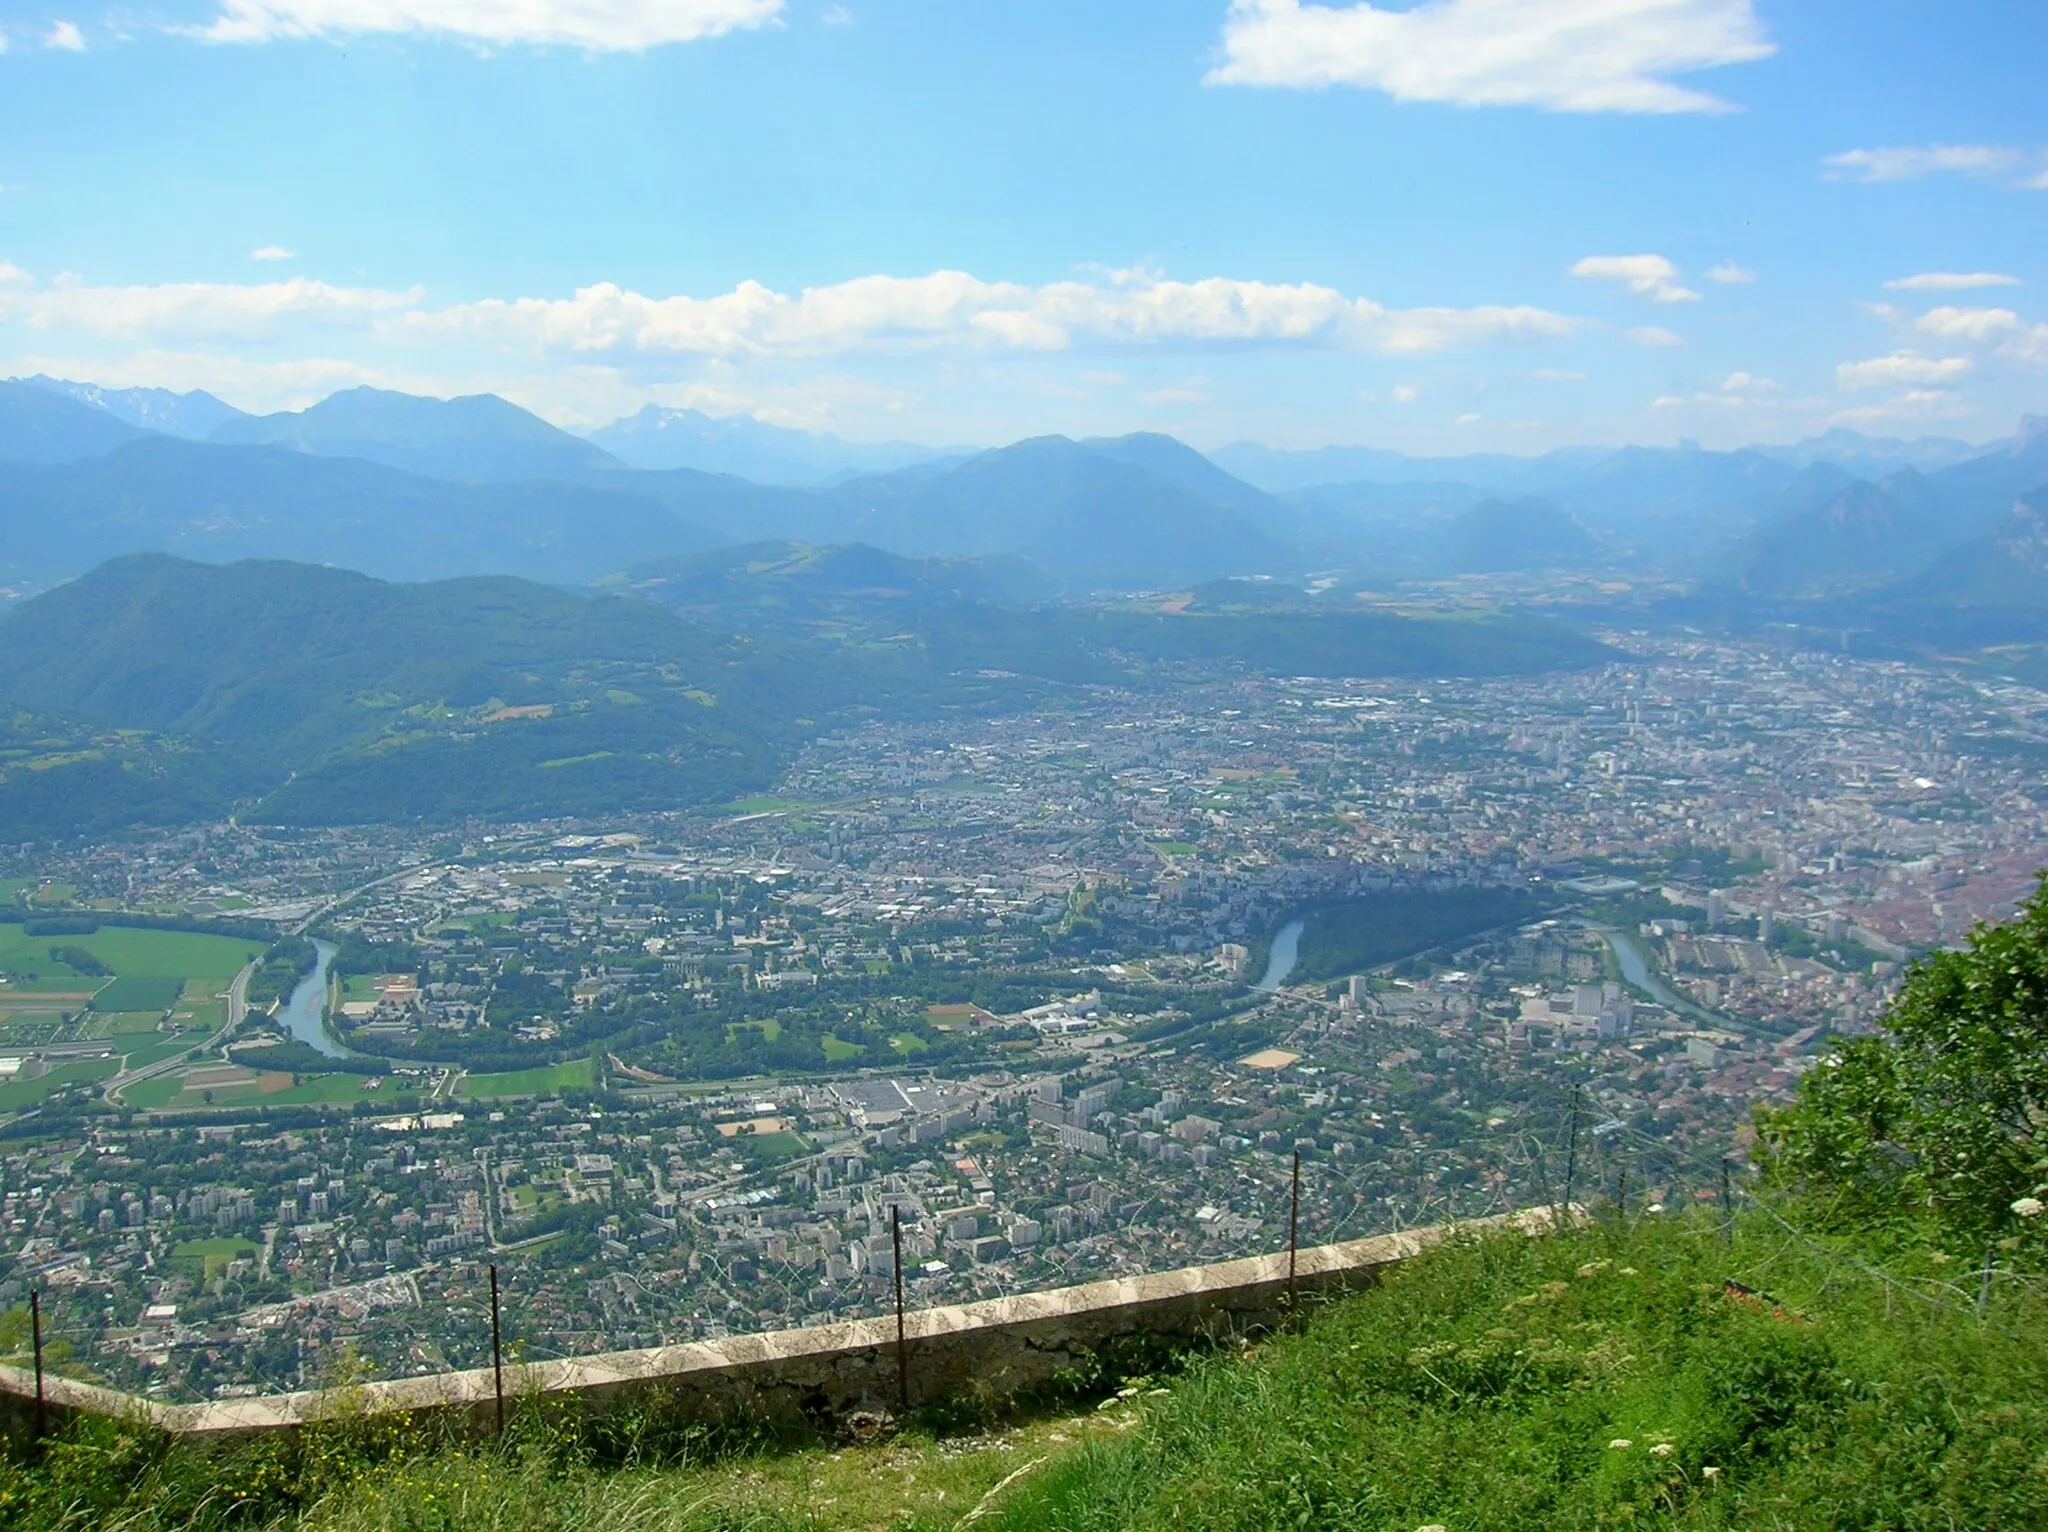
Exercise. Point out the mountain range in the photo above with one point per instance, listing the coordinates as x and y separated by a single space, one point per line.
422 488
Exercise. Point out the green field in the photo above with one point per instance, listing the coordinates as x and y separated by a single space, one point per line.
139 994
16 1094
769 1146
545 1081
908 1043
211 1256
130 952
838 1050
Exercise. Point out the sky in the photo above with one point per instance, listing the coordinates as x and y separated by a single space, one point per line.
1460 225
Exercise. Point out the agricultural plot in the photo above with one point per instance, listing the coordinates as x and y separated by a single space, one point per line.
129 952
551 1080
218 1085
18 1094
154 995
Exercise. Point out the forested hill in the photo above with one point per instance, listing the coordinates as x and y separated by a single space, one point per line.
303 694
368 701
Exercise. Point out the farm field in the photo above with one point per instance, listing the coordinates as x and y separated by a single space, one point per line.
18 1094
217 1085
574 1075
130 952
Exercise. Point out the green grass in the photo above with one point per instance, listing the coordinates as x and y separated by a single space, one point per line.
152 1095
330 1090
155 995
209 1257
908 1043
16 1094
769 1147
551 1079
838 1050
131 952
1593 1382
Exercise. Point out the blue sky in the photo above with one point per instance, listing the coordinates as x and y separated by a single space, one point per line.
1461 225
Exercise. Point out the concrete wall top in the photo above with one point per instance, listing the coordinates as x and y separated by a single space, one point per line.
1098 1309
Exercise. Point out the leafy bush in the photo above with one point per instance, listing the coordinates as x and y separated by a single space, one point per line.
1934 1127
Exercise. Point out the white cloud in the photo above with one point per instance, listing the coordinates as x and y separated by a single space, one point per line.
1729 274
1652 335
271 253
1979 325
1910 163
1561 55
606 25
1467 420
1901 367
1749 383
953 308
65 35
1646 276
837 16
1914 404
1404 394
194 309
1951 281
11 274
1558 375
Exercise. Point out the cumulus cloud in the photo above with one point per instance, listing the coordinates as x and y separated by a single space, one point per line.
1645 276
1728 274
628 26
195 309
1951 281
65 35
1910 163
953 308
1980 325
1559 55
1901 367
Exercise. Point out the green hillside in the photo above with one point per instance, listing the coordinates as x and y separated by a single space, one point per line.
357 700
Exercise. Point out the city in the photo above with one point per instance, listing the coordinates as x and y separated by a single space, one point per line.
1065 994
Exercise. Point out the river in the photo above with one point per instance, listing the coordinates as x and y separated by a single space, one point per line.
1636 969
305 1014
1281 960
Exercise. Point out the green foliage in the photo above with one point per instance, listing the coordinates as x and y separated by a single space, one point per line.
1936 1123
284 965
1355 934
79 960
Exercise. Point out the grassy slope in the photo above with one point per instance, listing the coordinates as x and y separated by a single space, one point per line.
1481 1388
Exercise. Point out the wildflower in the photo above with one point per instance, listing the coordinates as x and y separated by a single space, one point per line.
1628 1271
1620 1444
2030 1207
1661 1450
1710 1472
1655 1207
1435 1526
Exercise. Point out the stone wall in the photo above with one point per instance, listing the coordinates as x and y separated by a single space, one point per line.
993 1349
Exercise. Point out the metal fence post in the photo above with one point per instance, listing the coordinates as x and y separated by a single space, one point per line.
35 1320
1293 1234
497 1352
902 1350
